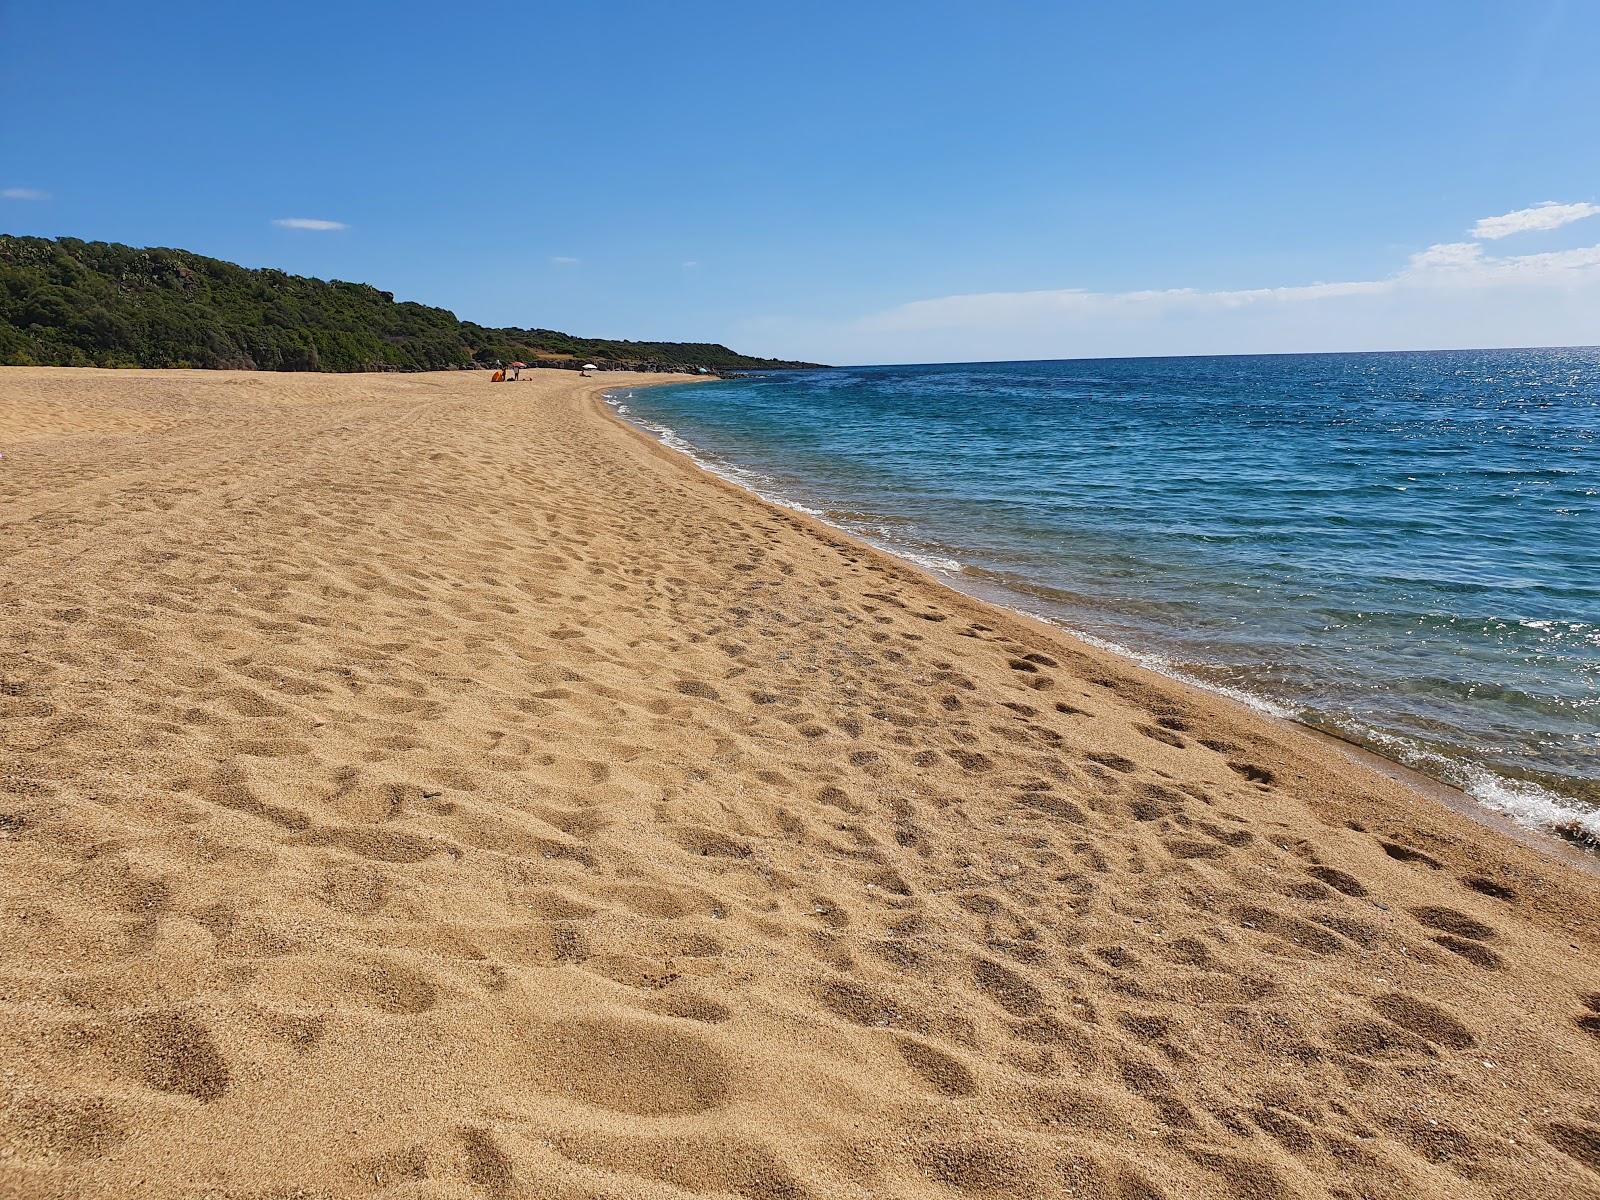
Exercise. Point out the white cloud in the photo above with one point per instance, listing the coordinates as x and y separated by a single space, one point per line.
1451 294
22 193
313 223
1447 254
691 263
1450 265
1547 215
1458 264
563 260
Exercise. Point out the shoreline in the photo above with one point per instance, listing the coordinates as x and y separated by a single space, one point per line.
644 839
1546 839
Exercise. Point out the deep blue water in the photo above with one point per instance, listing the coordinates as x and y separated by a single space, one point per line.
1401 548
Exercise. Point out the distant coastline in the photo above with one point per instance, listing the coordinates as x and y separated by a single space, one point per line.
71 303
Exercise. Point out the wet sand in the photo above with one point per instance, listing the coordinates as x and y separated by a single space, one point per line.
416 787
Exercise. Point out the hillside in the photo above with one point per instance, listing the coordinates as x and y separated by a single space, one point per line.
72 303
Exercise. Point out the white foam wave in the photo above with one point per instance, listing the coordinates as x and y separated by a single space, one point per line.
931 562
1162 665
1529 804
1526 803
752 481
1520 800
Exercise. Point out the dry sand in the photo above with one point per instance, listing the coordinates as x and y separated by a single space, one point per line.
424 788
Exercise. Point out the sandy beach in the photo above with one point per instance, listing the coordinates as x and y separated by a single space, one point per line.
422 788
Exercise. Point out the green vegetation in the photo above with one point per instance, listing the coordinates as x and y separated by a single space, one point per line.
72 303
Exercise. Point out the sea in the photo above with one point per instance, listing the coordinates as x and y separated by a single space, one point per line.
1401 549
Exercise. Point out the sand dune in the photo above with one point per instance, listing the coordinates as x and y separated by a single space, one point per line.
419 788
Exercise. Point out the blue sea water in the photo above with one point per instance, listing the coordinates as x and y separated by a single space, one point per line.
1403 549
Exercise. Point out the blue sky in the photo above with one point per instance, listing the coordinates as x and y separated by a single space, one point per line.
851 182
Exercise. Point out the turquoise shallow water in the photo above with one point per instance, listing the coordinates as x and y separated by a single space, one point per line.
1400 548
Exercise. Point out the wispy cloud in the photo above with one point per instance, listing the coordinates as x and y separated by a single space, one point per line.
1547 215
691 263
563 260
22 193
1448 265
316 224
1457 293
1446 254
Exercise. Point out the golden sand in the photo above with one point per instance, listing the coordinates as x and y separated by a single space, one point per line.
422 788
